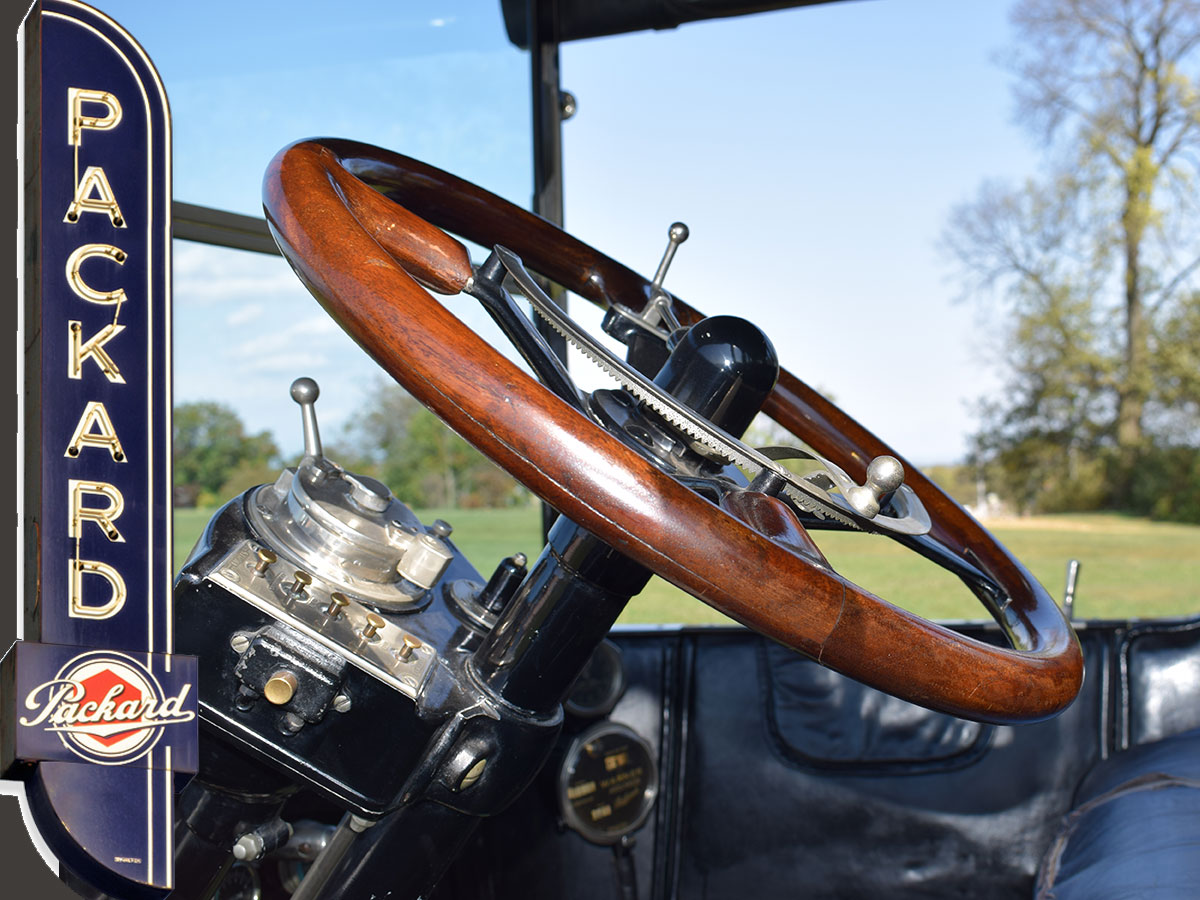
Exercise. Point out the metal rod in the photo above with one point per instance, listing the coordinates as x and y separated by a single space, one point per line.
325 865
305 392
676 235
1069 593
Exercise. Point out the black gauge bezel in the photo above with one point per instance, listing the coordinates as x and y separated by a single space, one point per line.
570 765
607 658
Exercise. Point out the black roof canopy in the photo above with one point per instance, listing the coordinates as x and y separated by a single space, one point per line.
572 20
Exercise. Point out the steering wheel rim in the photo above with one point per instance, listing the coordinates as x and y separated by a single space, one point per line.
330 201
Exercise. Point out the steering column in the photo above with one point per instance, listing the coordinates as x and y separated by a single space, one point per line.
723 368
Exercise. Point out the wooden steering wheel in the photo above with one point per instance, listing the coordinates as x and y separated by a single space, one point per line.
354 222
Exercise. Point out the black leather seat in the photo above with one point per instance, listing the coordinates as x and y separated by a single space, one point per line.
1135 828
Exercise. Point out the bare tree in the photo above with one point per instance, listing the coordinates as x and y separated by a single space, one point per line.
1112 88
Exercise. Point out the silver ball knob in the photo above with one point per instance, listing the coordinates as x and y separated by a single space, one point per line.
677 233
305 390
885 474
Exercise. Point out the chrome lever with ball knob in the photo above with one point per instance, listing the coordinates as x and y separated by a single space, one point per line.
885 474
658 309
305 392
676 235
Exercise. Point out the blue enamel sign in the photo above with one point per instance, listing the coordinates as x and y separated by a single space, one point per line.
99 717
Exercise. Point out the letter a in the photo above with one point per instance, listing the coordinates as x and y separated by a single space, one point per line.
94 414
94 181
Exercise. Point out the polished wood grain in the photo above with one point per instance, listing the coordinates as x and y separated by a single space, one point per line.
362 258
773 519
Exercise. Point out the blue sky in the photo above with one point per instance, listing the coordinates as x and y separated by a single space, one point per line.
814 153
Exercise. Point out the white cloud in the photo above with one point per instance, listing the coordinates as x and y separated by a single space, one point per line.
291 340
244 314
206 275
285 363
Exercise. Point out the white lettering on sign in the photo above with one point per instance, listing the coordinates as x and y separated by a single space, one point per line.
105 707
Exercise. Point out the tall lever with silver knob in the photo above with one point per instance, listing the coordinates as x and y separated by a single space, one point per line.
676 235
658 308
305 392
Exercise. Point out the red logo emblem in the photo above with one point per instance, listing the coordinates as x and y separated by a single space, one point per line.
106 707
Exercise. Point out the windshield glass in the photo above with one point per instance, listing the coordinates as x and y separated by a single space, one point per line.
438 81
816 155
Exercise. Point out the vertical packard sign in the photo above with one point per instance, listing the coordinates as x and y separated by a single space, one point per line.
98 717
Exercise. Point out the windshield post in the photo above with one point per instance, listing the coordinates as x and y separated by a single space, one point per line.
547 161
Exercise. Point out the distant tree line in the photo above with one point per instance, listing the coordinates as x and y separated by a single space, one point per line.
397 440
213 456
392 438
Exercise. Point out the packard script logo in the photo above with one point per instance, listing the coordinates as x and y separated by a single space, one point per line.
105 707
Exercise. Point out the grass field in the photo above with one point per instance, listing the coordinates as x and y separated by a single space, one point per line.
1130 568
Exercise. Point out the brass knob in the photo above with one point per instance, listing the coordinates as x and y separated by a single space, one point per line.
374 623
300 587
411 643
337 602
266 557
280 688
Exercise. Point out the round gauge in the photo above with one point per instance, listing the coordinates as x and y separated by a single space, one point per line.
240 883
607 783
600 684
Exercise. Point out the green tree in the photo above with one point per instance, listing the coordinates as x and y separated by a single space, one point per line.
209 444
1098 260
420 459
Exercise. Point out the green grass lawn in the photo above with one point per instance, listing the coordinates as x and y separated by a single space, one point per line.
1130 568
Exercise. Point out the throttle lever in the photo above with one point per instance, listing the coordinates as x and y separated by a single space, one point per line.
305 392
658 307
676 235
